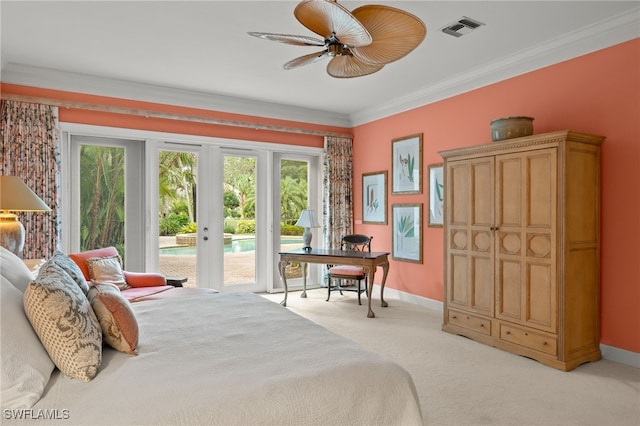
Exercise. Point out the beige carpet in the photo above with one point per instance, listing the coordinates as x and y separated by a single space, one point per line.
461 382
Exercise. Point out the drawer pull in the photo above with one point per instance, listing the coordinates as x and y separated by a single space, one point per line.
454 317
508 332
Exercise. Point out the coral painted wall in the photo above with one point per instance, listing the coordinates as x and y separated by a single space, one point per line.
598 93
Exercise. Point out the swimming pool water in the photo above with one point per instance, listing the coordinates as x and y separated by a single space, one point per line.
236 246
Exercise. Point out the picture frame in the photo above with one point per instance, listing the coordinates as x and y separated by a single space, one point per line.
406 165
374 198
436 195
407 232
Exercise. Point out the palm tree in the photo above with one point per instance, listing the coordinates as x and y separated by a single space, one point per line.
102 195
177 174
293 198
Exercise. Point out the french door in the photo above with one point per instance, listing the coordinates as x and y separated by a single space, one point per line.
206 209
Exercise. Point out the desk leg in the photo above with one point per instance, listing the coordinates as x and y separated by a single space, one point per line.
371 273
282 265
304 280
385 269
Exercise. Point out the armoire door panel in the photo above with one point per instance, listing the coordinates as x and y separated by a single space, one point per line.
509 191
541 299
539 245
482 192
458 290
540 187
458 194
482 284
509 289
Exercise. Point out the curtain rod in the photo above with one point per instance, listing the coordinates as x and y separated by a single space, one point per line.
170 116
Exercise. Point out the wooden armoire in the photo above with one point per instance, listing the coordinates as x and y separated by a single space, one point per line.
522 246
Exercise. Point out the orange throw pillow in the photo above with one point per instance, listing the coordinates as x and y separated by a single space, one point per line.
116 318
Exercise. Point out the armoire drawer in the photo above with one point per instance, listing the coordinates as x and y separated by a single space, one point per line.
472 322
530 339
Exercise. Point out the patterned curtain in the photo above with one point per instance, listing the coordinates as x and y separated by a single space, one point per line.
337 214
29 150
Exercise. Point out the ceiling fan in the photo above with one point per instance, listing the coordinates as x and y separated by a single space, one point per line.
359 43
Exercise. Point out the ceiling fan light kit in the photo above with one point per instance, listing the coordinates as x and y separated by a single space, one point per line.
359 43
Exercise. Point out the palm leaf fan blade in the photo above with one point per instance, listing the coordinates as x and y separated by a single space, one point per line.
395 33
306 59
327 18
296 40
346 66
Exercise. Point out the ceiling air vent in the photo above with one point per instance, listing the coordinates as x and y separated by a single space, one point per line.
461 27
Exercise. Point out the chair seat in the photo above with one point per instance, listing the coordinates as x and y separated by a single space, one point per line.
346 271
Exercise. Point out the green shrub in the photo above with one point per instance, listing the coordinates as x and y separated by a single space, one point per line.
246 227
228 229
190 228
290 230
173 223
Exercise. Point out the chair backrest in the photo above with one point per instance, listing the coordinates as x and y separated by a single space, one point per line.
356 242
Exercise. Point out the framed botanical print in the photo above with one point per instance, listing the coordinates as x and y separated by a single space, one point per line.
406 165
374 197
407 232
436 195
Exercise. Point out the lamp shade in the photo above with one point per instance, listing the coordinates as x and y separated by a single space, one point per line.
16 196
308 219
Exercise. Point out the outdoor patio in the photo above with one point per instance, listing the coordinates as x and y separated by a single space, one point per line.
238 267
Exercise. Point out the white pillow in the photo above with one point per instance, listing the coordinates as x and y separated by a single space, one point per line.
107 270
14 270
26 366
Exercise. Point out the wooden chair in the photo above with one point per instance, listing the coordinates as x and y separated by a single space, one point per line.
353 242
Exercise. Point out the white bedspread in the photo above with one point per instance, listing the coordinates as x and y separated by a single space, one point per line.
225 359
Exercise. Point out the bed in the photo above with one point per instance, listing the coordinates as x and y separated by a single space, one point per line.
227 359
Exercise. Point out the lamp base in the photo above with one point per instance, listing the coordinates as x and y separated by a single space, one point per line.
11 233
306 239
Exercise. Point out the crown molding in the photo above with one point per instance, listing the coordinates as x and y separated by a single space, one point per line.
606 33
60 80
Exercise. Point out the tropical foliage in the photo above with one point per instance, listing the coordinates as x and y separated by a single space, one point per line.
103 194
101 197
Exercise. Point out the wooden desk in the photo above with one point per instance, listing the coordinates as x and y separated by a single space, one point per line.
368 261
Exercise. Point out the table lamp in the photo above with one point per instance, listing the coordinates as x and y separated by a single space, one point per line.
308 220
15 196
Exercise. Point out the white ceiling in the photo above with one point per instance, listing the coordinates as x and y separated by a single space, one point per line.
198 53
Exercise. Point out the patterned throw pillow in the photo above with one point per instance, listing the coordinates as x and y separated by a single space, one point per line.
107 270
118 322
70 267
63 319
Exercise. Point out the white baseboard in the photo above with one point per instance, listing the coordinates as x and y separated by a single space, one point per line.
622 356
610 353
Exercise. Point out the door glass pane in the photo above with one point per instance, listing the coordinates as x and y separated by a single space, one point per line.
102 195
177 210
239 198
293 199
